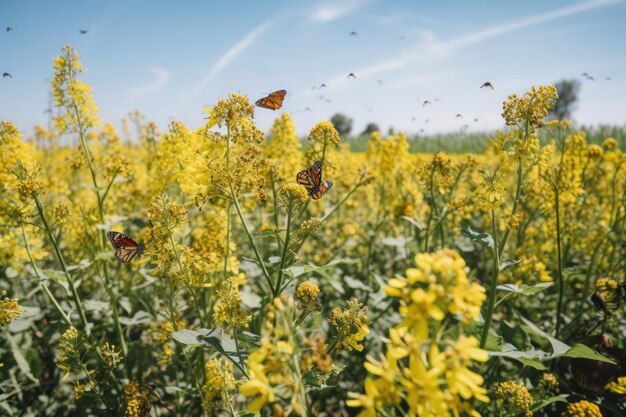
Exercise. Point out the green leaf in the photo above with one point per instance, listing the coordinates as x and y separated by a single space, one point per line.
420 226
530 357
300 270
585 352
532 363
355 284
223 345
192 337
547 401
483 239
504 265
515 335
20 360
558 347
58 277
525 289
494 340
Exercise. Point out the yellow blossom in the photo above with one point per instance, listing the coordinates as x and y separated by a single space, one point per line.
582 408
9 309
515 395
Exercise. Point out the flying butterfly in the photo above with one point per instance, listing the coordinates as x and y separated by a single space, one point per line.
126 249
273 101
311 178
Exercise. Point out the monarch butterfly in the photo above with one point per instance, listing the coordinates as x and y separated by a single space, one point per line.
311 178
274 101
126 249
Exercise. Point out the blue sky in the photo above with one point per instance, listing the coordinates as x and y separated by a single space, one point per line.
171 58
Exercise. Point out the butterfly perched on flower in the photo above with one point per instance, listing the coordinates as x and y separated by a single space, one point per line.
273 101
311 178
126 249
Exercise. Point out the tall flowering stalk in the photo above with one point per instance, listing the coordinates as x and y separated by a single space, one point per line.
519 146
79 115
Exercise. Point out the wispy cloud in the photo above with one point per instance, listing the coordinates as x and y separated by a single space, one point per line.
430 43
135 93
483 35
329 12
232 53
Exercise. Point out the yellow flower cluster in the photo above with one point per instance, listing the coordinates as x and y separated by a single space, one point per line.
549 382
618 386
351 326
228 308
162 334
515 395
219 380
137 402
293 194
307 293
316 355
532 107
438 285
112 356
324 133
284 148
9 309
420 372
582 408
71 94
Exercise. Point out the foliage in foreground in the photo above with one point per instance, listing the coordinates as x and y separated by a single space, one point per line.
419 285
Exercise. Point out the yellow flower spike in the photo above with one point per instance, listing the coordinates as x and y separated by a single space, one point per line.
324 133
582 408
284 347
9 309
618 386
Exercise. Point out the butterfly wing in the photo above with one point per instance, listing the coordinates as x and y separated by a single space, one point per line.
315 172
304 178
321 190
274 101
126 249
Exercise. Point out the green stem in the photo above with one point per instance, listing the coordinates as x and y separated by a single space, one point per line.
559 305
251 239
70 280
494 281
275 210
436 209
54 301
194 374
228 220
283 258
518 193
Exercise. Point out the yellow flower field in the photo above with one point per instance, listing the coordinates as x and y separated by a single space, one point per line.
408 285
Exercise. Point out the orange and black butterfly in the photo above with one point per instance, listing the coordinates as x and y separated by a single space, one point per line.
126 249
311 178
274 101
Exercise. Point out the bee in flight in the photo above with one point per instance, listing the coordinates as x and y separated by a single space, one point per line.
126 249
487 84
273 101
311 178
